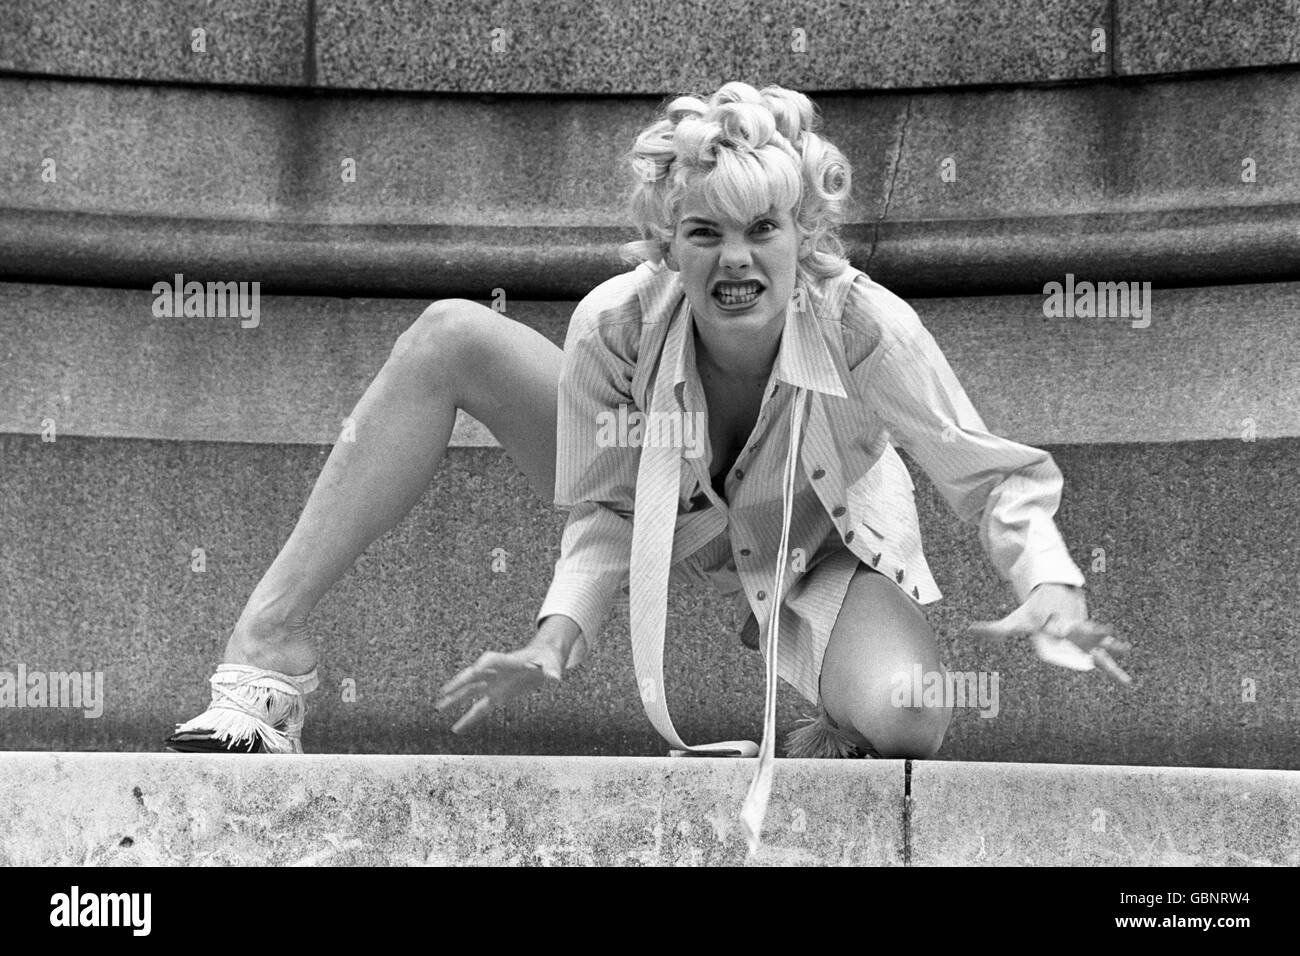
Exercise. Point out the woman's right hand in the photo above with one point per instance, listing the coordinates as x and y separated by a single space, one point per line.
496 678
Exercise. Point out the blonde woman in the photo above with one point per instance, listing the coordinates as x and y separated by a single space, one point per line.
788 375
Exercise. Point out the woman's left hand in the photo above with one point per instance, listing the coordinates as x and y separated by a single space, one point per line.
1055 617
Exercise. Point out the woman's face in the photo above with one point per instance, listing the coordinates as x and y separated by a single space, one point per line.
738 276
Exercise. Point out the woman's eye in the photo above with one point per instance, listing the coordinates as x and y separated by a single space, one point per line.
701 231
767 225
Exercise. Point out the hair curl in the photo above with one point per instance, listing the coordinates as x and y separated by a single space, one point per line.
750 150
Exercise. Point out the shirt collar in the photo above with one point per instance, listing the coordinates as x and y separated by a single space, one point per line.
804 358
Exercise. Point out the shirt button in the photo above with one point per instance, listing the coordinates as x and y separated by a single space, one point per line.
875 560
838 512
916 594
898 576
744 552
739 474
848 537
819 473
762 595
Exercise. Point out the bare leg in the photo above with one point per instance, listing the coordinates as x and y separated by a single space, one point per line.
458 354
880 634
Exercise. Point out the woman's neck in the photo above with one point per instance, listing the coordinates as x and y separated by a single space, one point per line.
739 362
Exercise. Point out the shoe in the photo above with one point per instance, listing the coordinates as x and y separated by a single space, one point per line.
252 711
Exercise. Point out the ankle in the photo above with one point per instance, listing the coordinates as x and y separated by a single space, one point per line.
281 646
265 629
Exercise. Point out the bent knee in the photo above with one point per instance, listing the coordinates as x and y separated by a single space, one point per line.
907 732
896 728
445 331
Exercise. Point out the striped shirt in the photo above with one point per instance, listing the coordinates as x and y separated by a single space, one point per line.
874 377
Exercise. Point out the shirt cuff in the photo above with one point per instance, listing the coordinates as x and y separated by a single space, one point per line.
1044 567
584 598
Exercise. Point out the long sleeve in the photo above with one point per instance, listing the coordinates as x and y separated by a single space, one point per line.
595 478
1012 490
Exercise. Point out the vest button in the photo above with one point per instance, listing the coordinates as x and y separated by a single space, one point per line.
819 473
744 552
838 512
848 537
762 595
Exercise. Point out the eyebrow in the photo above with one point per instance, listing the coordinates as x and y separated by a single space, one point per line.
709 222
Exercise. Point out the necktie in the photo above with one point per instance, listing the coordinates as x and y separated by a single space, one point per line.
653 523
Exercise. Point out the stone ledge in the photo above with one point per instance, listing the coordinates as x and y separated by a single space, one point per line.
246 156
190 810
1187 247
990 814
186 810
1095 178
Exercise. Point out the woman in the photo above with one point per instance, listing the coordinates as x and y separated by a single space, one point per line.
781 376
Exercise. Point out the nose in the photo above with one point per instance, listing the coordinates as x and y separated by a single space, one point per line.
735 254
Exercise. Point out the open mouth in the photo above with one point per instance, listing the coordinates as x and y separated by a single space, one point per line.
737 293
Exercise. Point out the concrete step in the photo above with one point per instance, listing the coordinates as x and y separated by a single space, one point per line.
1189 549
1138 180
97 362
137 809
618 46
1015 814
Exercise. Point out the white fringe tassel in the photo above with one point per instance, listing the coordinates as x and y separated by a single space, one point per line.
250 703
818 738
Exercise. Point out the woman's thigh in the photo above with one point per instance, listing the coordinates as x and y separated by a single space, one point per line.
878 638
508 380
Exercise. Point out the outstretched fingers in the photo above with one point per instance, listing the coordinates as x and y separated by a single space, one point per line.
1094 638
1097 640
473 715
461 694
1089 635
1107 663
494 679
472 680
1016 624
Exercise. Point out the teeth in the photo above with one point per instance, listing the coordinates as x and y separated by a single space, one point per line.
736 293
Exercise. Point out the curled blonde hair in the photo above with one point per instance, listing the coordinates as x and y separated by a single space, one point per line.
750 150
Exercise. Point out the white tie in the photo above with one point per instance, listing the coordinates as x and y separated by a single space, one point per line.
654 521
